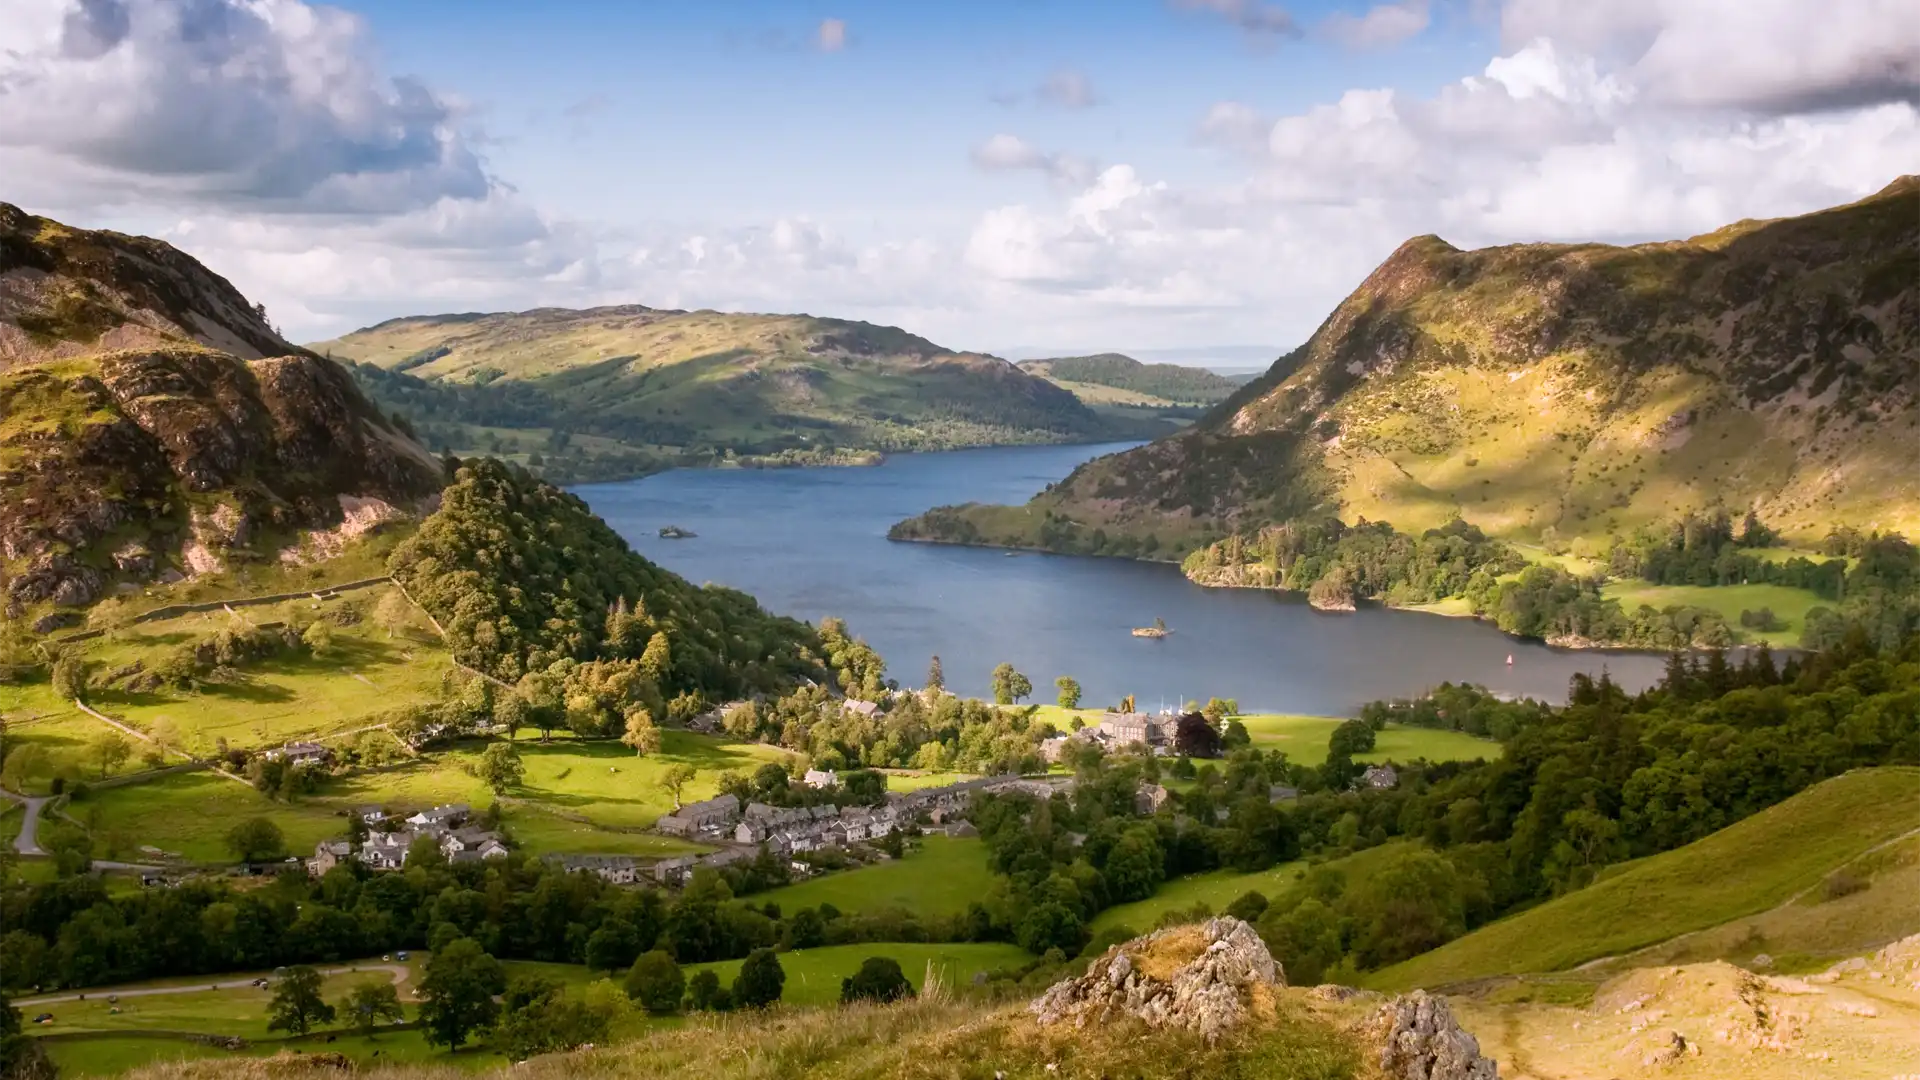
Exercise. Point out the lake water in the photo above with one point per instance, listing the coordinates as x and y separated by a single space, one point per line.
812 543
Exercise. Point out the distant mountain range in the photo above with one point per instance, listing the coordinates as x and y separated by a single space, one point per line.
1119 379
609 387
1559 389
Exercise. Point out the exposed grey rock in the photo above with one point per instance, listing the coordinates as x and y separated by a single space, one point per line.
56 620
1208 994
1424 1042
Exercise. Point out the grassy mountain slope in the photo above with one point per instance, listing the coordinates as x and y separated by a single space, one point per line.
1742 870
707 382
152 423
1771 365
1130 381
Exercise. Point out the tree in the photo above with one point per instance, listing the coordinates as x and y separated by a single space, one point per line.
676 778
511 711
538 1018
760 982
704 992
256 839
1069 691
111 749
1350 738
1194 737
21 1055
1218 709
368 1004
879 979
69 678
318 638
656 983
297 1006
641 734
1009 686
500 767
936 678
458 992
805 930
1049 926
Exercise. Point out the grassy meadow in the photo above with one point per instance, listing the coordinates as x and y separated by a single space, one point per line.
1304 740
1740 871
941 877
813 975
1789 605
1216 889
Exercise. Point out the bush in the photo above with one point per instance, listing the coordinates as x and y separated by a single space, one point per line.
761 981
704 992
879 979
656 983
1844 883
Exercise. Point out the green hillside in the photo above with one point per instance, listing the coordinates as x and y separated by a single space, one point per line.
670 386
1557 392
1133 381
1746 868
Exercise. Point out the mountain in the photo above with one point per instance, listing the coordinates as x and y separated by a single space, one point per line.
1555 391
706 383
153 424
1123 380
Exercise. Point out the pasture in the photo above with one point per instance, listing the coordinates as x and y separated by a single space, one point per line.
941 877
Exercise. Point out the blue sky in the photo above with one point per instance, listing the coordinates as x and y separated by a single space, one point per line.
1170 175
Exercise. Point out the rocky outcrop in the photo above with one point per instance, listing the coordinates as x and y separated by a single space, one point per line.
152 422
1422 1041
1207 979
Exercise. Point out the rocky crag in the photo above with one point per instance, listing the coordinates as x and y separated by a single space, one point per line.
153 425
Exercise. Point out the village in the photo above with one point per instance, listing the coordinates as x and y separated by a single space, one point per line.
742 832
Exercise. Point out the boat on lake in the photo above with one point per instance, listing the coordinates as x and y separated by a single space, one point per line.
1157 630
675 532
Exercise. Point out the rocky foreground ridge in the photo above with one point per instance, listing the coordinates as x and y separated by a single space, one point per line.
1213 978
153 425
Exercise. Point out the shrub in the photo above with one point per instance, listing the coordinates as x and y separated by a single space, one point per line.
879 979
656 983
1844 883
760 982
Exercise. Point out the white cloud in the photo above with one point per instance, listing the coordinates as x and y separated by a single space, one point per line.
1010 152
1766 56
1256 17
269 103
832 35
1378 27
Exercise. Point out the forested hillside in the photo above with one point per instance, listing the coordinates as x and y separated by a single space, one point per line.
1174 384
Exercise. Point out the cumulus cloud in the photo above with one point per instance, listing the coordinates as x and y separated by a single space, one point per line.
271 103
1767 56
1378 27
1257 18
831 36
1010 152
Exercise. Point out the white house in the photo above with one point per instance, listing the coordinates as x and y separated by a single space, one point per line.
446 816
821 778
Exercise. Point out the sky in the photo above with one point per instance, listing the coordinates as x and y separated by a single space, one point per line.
1201 179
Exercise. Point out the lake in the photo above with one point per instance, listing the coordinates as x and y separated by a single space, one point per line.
813 542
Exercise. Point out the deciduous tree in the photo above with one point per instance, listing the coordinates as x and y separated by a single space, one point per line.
500 767
297 1005
458 991
1069 689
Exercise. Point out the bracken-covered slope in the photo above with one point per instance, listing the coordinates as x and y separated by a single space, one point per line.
754 384
153 424
1771 365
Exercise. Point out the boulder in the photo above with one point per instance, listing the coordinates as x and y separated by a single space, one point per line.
1206 979
1422 1041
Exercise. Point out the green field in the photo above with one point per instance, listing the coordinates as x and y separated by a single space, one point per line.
941 878
1304 739
1215 889
813 975
1746 868
367 671
579 797
1788 604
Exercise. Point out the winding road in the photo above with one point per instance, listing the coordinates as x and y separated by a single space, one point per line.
28 842
398 971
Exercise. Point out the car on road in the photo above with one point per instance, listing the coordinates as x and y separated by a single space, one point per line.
43 1018
260 982
387 959
400 956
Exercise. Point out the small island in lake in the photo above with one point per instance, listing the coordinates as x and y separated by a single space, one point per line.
1157 630
675 532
